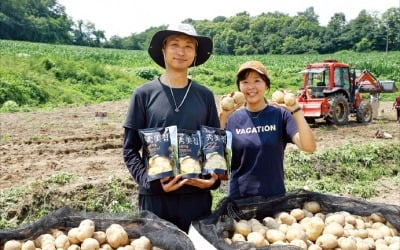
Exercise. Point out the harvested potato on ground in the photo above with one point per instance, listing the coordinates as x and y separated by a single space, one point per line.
286 218
270 223
297 213
347 243
28 245
274 235
62 241
337 217
334 228
45 240
74 247
106 246
12 245
257 239
312 206
90 244
242 227
327 241
142 243
227 103
85 230
100 236
314 228
237 237
278 96
116 236
73 236
299 243
295 233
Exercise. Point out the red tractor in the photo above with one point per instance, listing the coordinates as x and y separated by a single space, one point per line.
332 90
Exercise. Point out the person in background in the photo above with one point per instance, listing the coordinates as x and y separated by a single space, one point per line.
396 105
172 99
260 134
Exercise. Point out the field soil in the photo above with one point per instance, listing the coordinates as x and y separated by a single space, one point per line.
87 142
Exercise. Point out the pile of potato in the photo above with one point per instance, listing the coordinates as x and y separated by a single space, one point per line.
309 228
83 237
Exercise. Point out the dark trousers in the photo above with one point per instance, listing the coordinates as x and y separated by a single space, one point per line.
180 209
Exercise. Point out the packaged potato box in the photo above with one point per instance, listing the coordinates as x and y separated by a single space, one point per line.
216 150
189 153
160 151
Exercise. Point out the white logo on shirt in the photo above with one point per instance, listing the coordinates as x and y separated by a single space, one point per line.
255 130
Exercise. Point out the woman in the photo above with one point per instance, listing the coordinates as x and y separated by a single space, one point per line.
260 133
172 99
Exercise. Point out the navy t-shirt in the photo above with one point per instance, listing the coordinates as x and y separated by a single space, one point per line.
259 141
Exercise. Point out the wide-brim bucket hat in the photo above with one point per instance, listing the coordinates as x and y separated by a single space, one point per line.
204 43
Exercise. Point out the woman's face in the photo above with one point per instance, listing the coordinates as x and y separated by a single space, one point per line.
179 51
253 87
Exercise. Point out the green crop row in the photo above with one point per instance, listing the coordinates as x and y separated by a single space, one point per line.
38 76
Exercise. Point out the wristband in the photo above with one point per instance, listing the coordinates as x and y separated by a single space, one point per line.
296 110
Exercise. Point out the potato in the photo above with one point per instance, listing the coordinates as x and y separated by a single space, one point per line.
100 237
299 243
297 213
85 230
142 243
28 245
256 238
242 227
45 240
286 218
62 241
106 246
278 96
270 223
314 228
116 236
237 237
90 244
334 228
73 235
337 217
227 103
289 99
12 245
274 235
314 247
347 244
327 241
296 234
238 98
312 206
74 247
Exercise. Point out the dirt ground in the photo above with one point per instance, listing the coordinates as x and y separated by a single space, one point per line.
36 145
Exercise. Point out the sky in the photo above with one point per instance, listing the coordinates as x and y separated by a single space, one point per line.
124 17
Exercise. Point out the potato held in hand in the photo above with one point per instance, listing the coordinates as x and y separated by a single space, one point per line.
289 99
227 103
238 98
278 96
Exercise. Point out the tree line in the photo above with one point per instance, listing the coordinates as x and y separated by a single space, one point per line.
268 33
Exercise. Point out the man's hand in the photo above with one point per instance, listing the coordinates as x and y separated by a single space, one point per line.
170 184
202 183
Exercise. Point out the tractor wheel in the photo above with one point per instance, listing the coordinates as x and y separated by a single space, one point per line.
338 109
364 112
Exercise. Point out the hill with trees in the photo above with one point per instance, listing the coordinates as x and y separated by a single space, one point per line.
46 21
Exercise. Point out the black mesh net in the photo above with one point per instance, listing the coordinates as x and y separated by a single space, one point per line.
212 228
161 233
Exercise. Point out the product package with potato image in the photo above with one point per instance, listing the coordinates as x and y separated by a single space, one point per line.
189 153
160 151
216 150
